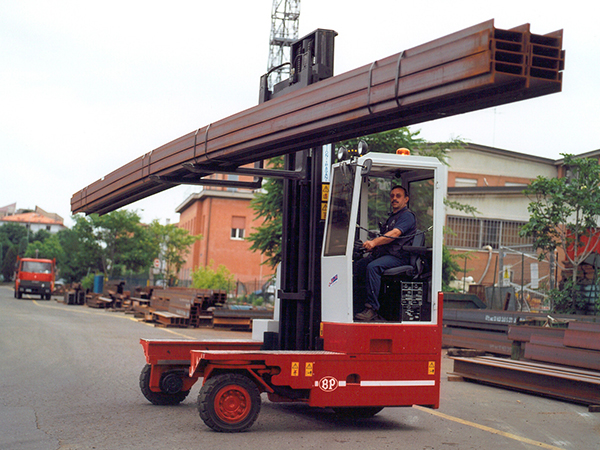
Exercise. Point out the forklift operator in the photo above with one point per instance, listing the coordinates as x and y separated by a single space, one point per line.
385 254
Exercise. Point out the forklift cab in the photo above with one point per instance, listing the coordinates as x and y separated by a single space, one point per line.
358 201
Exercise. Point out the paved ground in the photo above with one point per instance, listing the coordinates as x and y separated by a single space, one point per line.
69 374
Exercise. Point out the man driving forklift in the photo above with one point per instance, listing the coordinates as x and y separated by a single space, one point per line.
385 252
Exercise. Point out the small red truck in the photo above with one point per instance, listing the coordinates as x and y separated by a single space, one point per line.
35 276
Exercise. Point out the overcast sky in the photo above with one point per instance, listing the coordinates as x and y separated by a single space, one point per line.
87 86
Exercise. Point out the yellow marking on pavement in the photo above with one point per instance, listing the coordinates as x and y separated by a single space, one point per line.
488 429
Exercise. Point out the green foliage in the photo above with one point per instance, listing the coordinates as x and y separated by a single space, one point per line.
173 243
87 282
118 240
389 141
13 233
49 248
564 212
208 278
450 268
78 256
569 298
9 263
269 205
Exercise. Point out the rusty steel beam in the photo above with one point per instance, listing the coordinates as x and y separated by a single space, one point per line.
475 68
488 341
583 335
567 384
553 352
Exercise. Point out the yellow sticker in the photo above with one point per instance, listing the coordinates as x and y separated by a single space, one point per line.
308 370
295 369
324 192
323 211
431 368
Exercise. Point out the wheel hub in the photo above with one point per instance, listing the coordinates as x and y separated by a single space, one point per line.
171 383
232 404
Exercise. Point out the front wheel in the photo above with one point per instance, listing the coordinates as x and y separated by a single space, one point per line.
159 398
229 402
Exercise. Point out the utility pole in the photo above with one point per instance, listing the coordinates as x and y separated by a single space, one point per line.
285 16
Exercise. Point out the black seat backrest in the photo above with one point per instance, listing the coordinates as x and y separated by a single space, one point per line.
415 266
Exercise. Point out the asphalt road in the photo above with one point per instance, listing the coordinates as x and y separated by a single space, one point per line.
69 380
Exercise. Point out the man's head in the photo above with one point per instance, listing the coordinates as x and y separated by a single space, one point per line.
398 198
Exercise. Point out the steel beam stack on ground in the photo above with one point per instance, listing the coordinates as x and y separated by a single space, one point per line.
561 362
565 383
476 68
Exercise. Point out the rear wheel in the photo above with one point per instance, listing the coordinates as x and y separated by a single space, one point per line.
160 398
229 402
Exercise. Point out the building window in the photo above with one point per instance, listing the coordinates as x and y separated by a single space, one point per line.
468 232
465 182
238 225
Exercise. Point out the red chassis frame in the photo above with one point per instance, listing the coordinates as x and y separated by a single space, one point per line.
361 365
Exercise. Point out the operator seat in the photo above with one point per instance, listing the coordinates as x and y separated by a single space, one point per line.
415 268
404 289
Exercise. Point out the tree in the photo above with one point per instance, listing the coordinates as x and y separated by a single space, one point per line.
564 214
269 205
174 244
208 278
13 232
118 239
9 264
49 248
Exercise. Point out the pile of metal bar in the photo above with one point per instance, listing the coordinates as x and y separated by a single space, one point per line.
561 362
578 345
498 332
182 307
570 384
476 68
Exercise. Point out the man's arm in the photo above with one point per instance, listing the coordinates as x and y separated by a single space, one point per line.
382 240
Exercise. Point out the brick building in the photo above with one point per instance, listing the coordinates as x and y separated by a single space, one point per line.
224 218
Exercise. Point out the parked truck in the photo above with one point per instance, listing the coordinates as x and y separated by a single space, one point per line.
35 276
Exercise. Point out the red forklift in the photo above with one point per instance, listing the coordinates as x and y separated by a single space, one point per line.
313 352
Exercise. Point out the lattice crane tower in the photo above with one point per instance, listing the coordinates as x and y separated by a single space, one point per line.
285 16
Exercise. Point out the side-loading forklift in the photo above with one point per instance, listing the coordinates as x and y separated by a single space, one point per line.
312 351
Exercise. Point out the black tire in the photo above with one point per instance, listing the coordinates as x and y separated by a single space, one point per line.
19 295
158 398
356 412
229 403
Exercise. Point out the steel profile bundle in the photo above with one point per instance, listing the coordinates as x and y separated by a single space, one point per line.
472 69
565 383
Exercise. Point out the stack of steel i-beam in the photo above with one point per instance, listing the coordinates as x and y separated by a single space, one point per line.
472 69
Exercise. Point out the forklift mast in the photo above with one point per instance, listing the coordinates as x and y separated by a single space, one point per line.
303 220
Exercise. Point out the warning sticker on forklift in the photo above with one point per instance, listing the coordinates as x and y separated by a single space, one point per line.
295 369
324 193
431 368
308 370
